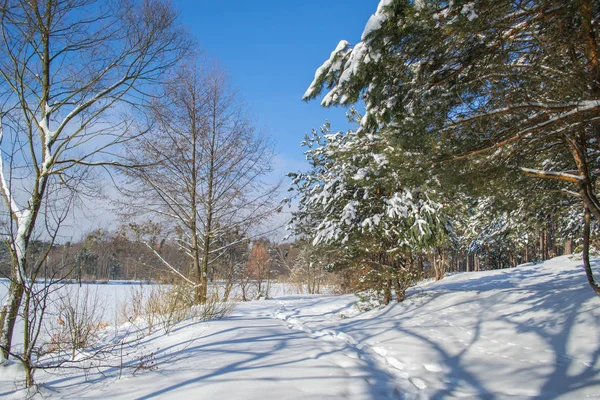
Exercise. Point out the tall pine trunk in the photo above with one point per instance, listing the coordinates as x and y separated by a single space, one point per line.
586 252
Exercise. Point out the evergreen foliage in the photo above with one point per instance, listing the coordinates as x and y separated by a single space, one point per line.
464 103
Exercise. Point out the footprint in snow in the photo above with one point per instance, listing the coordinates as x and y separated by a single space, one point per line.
353 355
347 338
402 374
394 362
378 350
418 382
432 367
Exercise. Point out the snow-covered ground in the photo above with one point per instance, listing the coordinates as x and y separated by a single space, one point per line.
114 296
528 332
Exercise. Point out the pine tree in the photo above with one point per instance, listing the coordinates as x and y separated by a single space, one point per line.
354 198
510 85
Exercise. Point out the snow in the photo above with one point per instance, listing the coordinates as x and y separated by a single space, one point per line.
361 174
115 295
376 20
349 212
331 63
468 10
527 332
374 23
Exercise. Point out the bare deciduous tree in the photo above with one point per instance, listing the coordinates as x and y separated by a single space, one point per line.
67 69
205 169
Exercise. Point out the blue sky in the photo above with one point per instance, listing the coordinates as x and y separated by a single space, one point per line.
271 49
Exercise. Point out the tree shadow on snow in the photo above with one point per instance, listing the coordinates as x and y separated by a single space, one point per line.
242 359
550 310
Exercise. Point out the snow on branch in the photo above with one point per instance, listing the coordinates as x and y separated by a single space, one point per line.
563 176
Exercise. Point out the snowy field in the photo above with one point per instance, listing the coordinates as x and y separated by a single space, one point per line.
528 332
112 297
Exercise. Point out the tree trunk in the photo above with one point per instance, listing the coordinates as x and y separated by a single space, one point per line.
10 310
200 264
400 291
259 287
202 289
26 358
586 252
542 246
387 292
28 375
8 317
197 266
228 285
309 287
441 267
